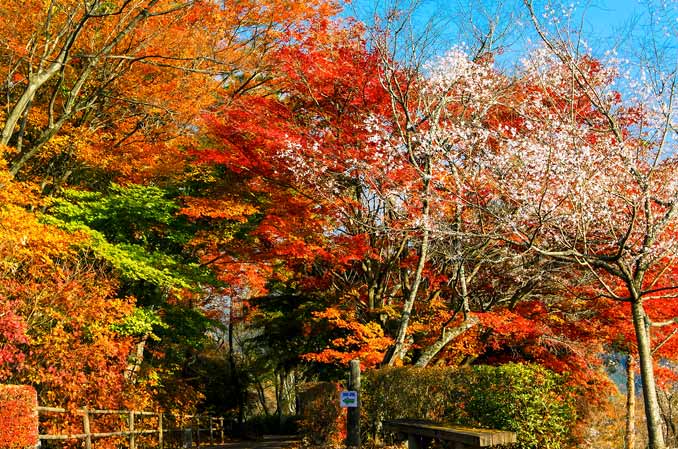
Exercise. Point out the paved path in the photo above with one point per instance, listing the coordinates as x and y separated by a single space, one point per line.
267 442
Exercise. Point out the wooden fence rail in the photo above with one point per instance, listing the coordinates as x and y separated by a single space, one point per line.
216 427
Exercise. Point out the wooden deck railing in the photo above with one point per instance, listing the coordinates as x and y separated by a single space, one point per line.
189 425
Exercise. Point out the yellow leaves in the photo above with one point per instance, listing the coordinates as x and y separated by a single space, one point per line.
555 319
63 143
13 192
28 248
7 150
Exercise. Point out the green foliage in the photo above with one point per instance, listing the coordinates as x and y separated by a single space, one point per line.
530 400
282 319
181 341
132 214
131 262
140 323
187 328
134 229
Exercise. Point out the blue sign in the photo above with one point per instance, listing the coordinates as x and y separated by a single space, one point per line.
348 399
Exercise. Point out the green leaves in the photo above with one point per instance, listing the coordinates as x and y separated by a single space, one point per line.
141 323
133 214
133 229
528 399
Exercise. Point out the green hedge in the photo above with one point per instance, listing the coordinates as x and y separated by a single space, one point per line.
530 400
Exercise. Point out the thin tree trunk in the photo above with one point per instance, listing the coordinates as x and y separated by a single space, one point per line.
630 437
396 349
235 375
446 336
134 365
651 402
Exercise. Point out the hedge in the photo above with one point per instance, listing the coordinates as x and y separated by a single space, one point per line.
530 400
320 417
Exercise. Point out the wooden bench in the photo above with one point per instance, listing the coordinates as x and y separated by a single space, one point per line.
419 434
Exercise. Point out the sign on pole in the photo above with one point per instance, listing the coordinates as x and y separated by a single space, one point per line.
348 399
352 401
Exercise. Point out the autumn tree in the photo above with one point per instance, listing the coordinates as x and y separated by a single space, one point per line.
588 179
60 310
119 85
100 91
340 201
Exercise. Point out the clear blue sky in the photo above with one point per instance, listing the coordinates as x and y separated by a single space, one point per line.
606 23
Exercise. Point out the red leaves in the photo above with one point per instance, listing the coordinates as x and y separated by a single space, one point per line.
56 314
18 417
12 337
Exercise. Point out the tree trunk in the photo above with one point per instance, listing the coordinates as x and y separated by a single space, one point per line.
134 364
235 375
446 336
651 402
23 103
630 437
396 350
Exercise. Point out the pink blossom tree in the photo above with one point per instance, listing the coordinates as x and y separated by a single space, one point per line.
589 178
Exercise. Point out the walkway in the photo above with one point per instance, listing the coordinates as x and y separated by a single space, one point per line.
267 442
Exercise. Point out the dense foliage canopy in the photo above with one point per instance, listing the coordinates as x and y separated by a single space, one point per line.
202 193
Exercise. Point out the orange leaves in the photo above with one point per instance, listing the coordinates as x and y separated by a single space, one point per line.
348 249
365 341
134 77
56 312
220 209
510 325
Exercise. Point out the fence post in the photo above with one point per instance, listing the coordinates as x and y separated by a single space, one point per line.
187 432
86 428
160 431
211 431
196 419
221 429
132 439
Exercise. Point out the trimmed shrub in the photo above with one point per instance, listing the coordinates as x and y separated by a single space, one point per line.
18 417
530 400
527 399
394 393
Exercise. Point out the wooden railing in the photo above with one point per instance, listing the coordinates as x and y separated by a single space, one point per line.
189 425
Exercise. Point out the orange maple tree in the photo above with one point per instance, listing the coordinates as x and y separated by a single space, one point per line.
60 307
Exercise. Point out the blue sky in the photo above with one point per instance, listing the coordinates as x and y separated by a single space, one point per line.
606 23
612 14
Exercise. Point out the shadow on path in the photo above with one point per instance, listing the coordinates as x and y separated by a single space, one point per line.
266 442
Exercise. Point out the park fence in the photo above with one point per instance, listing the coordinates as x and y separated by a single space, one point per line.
155 429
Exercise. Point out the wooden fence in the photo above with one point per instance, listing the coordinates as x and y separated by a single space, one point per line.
190 428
